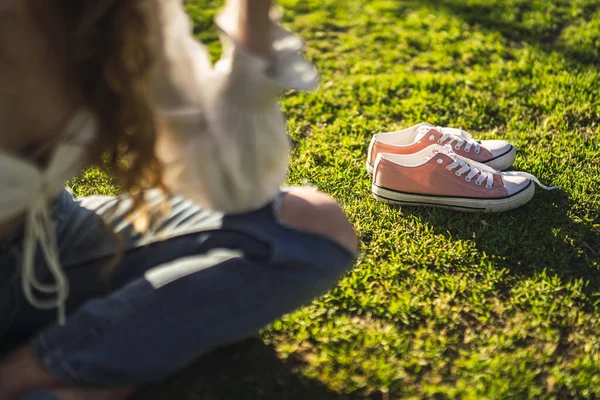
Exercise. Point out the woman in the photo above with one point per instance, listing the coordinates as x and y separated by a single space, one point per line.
145 284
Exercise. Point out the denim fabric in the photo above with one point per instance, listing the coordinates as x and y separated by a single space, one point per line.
39 395
194 281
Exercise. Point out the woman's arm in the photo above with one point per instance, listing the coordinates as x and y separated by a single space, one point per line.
254 29
226 145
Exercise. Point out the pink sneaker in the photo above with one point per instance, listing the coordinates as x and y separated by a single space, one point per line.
497 154
438 177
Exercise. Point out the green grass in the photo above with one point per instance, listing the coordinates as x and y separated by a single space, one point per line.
441 304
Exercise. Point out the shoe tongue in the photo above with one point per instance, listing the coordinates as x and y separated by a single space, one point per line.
422 131
456 132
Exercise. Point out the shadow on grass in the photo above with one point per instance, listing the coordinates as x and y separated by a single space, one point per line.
517 23
542 235
248 370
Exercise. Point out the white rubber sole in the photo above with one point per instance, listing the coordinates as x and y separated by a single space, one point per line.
465 204
369 168
500 163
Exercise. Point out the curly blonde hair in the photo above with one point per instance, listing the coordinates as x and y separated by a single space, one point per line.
110 48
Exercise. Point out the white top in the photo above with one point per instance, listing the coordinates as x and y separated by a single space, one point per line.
228 147
234 147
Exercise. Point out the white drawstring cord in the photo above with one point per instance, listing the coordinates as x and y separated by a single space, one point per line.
39 228
68 159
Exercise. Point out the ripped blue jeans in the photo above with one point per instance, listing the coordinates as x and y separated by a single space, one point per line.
194 281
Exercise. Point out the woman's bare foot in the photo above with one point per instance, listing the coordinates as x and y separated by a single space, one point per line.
21 373
94 394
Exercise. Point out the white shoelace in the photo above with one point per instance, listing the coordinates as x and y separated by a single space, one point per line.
485 173
530 177
464 167
451 135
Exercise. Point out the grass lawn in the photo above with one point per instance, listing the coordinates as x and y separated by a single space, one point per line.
441 304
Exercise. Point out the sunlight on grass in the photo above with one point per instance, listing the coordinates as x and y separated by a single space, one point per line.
441 304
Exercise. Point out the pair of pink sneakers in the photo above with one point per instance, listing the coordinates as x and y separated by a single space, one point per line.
445 167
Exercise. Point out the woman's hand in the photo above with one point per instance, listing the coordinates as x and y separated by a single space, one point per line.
253 28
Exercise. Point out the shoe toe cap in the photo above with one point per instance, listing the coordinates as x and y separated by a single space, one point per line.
497 147
515 184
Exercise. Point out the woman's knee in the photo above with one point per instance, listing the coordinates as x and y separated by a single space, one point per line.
313 211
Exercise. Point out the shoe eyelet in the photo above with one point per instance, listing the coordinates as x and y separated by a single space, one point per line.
467 150
448 168
457 147
457 174
477 151
439 141
488 186
440 161
478 183
468 179
431 138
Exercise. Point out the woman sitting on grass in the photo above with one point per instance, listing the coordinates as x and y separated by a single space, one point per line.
204 249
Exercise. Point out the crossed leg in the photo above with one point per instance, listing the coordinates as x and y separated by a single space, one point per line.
22 374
